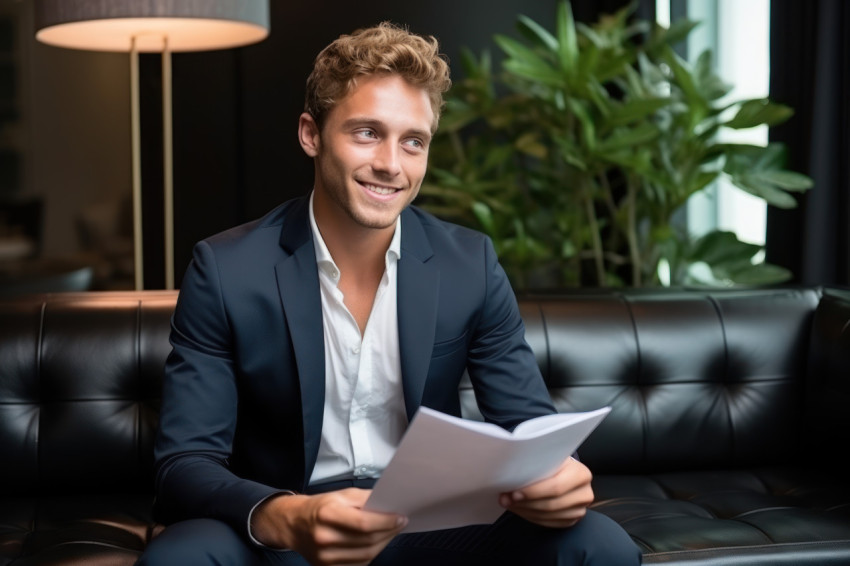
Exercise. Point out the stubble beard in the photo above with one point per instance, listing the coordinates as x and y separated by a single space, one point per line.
359 213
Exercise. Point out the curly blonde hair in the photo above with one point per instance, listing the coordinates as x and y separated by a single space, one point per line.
382 49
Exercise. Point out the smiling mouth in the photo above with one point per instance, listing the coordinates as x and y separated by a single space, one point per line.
379 189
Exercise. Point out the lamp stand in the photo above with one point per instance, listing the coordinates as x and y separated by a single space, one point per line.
167 165
138 259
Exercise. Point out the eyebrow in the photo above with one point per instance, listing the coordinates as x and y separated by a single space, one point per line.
377 124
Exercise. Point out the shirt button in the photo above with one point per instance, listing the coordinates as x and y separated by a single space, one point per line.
355 350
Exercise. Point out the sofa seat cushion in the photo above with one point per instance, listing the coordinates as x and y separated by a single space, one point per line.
75 529
763 510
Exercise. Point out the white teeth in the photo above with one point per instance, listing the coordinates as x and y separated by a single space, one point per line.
380 190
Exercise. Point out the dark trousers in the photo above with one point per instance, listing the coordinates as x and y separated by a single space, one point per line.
595 541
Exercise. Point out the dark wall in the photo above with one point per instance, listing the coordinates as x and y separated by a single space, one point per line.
236 111
66 130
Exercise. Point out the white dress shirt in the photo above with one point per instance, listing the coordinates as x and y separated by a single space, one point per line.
364 415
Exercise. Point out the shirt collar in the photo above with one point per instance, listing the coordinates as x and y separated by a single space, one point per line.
323 256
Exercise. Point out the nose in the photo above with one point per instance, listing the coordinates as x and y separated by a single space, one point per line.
387 159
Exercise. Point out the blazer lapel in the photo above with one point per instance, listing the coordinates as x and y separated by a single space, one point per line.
298 284
418 287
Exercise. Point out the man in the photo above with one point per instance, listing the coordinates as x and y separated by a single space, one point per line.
304 342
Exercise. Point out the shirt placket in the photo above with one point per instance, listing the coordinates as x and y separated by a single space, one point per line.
364 398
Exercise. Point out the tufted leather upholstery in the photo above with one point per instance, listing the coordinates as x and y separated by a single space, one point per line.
79 387
729 422
724 446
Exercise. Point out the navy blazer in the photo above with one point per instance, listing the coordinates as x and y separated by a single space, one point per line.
243 392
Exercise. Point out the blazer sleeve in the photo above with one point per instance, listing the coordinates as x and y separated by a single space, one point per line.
199 409
509 387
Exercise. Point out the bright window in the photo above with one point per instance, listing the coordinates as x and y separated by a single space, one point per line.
737 32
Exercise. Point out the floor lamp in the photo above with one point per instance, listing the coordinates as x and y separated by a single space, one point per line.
145 26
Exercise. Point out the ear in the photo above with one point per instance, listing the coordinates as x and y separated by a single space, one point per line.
308 134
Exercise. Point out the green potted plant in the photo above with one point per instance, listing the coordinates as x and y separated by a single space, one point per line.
576 157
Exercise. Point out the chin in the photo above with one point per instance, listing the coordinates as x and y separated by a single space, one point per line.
375 217
374 221
377 223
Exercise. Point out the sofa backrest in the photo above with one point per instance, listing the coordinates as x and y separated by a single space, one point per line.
80 379
695 379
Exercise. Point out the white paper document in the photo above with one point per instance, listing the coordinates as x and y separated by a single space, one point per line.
448 472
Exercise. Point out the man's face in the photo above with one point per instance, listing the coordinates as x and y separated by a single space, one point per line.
371 153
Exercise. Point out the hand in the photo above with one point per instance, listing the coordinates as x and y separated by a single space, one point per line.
329 528
558 501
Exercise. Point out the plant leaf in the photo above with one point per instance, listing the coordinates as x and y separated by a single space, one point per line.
698 107
637 109
521 53
610 67
760 111
710 86
456 116
720 247
758 274
529 143
588 128
545 75
565 29
595 38
788 180
484 215
678 31
472 66
755 185
628 137
535 32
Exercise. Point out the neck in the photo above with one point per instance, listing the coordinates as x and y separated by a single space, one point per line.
357 253
355 249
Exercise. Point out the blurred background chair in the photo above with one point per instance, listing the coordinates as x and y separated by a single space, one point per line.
44 276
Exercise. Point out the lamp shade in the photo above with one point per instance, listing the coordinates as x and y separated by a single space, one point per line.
190 25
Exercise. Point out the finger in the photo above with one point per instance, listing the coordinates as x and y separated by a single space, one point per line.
571 475
356 498
359 522
563 511
577 499
580 495
340 524
338 547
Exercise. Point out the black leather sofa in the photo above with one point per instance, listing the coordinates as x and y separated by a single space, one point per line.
731 417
